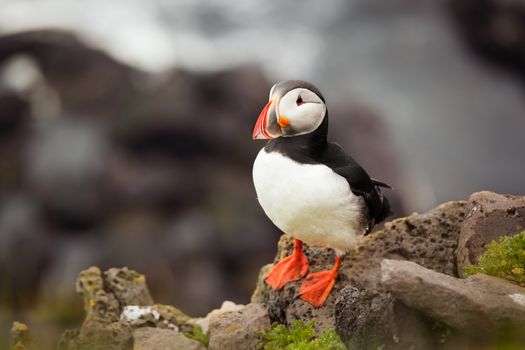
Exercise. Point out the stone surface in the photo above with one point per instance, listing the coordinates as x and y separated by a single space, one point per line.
148 338
128 286
368 319
358 331
494 29
57 53
477 305
22 235
117 302
238 329
100 306
163 316
260 293
15 119
489 216
21 338
430 239
66 162
227 306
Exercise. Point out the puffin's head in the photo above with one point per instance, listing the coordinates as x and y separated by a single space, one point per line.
296 107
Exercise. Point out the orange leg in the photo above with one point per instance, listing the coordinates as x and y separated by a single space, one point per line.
317 286
289 269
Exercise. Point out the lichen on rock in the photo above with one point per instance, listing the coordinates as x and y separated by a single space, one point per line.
21 338
101 306
117 302
238 329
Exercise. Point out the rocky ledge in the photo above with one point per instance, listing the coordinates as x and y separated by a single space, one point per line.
399 289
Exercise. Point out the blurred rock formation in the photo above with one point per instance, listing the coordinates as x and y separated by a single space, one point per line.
493 29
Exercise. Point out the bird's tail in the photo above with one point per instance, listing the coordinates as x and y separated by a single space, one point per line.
385 211
380 215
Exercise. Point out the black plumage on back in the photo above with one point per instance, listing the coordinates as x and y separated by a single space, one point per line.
360 183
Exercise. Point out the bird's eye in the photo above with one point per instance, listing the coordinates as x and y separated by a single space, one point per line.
299 100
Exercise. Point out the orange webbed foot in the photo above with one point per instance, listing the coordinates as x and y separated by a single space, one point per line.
318 285
289 269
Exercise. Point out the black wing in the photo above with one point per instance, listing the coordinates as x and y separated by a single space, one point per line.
360 183
381 184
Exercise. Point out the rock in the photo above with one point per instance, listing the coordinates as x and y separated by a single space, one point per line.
113 336
260 293
101 307
360 332
227 306
478 305
171 315
494 29
238 329
162 316
58 53
284 306
369 319
105 296
15 121
22 234
21 338
148 338
65 169
117 302
490 216
128 286
430 239
14 114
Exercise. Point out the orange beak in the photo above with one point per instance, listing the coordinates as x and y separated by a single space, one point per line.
260 131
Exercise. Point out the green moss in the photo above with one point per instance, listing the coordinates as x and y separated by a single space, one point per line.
300 337
504 259
198 334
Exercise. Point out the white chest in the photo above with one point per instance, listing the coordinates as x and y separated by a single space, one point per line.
308 201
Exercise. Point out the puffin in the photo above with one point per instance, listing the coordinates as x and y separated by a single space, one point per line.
310 188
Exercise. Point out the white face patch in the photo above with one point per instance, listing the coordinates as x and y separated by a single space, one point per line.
304 110
271 92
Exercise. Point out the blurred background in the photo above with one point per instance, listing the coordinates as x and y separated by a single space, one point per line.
125 130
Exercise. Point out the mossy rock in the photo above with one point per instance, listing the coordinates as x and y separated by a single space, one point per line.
106 295
21 338
198 334
300 336
504 258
